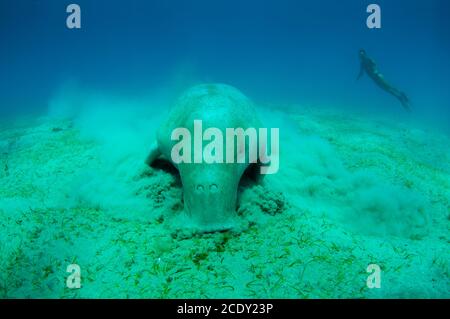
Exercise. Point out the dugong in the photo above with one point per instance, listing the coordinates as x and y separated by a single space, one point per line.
209 190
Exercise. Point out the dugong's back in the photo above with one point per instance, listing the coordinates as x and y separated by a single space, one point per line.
217 105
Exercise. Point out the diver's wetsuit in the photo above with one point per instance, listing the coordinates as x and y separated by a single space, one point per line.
368 65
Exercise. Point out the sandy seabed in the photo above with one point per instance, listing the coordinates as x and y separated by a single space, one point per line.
351 191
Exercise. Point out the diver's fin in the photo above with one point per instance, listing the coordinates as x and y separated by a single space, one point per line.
153 154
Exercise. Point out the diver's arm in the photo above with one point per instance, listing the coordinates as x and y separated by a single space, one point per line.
361 71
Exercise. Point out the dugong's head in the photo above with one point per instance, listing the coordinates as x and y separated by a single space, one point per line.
210 187
210 195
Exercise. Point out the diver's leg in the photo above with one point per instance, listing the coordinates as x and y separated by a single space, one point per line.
400 96
382 83
405 101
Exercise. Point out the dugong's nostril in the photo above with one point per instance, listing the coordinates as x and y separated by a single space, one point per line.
199 188
213 188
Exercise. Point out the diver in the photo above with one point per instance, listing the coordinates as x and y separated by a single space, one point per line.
368 65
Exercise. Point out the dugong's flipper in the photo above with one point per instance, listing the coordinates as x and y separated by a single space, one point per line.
153 154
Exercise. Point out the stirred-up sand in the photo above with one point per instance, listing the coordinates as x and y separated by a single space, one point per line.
351 191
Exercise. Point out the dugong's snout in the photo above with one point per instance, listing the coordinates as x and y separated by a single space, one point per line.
211 206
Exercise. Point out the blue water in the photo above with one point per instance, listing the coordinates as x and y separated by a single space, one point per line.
300 52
